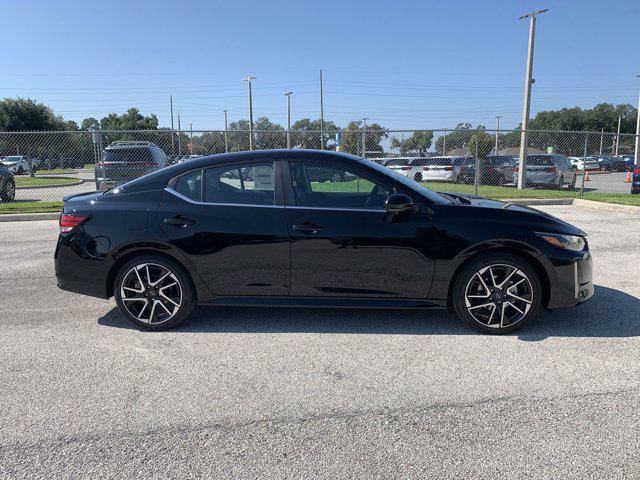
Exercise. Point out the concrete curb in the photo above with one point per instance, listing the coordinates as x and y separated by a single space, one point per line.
25 217
610 207
538 201
30 187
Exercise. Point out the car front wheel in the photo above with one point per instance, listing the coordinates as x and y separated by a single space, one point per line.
154 293
8 192
497 293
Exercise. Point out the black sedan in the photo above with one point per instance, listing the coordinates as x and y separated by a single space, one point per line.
266 228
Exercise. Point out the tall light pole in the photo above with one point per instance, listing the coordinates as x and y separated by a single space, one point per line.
191 138
173 133
364 137
527 97
321 114
226 140
618 135
636 152
179 139
248 80
288 95
498 117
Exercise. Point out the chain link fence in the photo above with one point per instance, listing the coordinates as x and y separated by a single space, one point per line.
50 165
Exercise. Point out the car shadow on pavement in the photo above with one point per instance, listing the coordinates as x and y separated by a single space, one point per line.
610 313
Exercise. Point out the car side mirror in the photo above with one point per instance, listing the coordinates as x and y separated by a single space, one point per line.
398 203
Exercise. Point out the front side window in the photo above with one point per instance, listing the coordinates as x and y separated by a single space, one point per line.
328 186
252 184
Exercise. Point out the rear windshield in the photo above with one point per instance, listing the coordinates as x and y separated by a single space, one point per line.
438 161
498 160
128 155
418 162
539 160
397 162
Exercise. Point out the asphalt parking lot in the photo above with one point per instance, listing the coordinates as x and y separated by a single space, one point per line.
273 393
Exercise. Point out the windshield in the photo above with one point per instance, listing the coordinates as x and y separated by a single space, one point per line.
498 160
407 182
397 162
11 159
439 161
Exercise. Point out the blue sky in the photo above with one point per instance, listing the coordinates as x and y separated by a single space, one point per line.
404 64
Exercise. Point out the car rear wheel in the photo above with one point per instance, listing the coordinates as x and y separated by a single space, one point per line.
418 177
8 192
154 293
497 293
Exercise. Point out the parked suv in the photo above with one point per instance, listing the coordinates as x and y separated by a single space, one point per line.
7 185
127 160
549 171
17 164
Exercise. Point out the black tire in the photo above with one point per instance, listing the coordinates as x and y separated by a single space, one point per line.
8 192
560 183
418 177
186 303
20 170
466 277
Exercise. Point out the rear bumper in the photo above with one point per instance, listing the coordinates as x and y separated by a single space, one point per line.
78 272
574 283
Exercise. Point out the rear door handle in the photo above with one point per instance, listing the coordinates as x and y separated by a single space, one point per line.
308 227
179 221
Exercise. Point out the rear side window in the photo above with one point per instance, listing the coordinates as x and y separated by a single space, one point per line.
397 162
128 155
439 161
190 185
252 184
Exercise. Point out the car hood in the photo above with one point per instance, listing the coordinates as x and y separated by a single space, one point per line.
519 213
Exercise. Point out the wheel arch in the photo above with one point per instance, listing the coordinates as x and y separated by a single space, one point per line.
147 250
543 275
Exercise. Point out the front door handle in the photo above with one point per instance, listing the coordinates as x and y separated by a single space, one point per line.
308 228
179 221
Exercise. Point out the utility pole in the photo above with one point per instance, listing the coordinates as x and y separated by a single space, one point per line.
618 135
226 140
364 137
288 95
321 114
527 97
173 141
179 140
444 143
601 140
248 80
498 117
191 138
636 152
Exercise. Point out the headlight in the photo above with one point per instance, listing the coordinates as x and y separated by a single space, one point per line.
574 243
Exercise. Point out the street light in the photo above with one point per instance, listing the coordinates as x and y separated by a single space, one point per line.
191 138
288 95
636 152
248 80
527 96
226 141
364 137
498 117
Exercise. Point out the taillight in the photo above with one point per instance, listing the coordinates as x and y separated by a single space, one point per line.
461 169
491 170
448 169
425 168
516 169
100 164
69 221
636 171
406 168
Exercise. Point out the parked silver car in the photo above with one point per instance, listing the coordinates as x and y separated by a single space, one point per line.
551 170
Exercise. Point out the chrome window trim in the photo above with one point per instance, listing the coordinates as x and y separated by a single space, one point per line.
187 199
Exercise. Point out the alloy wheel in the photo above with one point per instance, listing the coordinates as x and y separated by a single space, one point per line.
151 293
498 296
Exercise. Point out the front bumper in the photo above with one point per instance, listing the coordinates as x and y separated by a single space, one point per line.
574 283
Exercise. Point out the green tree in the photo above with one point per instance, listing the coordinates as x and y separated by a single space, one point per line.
418 143
90 124
305 134
483 142
457 138
351 138
131 120
24 114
